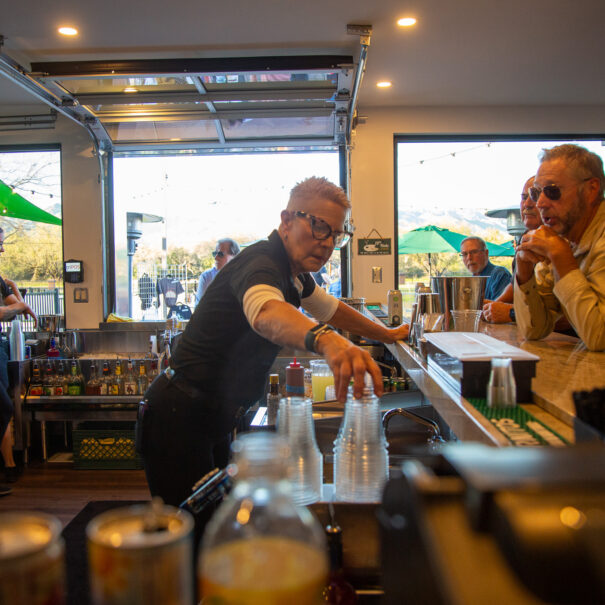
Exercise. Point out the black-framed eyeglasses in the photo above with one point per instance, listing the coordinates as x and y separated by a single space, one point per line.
552 192
322 231
218 254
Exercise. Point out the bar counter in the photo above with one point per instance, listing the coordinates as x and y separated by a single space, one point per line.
565 366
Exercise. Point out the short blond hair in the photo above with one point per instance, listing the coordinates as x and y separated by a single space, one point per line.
318 187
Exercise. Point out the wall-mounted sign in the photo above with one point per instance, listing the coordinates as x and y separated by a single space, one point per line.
374 247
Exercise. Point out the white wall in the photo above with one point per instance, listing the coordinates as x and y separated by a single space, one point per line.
372 162
372 180
81 193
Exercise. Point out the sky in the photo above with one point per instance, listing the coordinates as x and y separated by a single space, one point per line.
208 197
456 175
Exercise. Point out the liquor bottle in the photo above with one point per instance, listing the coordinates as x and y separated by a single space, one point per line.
60 381
130 380
75 382
117 384
36 388
53 351
337 591
93 386
48 384
273 398
153 370
105 381
142 380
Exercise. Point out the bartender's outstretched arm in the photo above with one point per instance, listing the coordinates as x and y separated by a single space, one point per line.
285 325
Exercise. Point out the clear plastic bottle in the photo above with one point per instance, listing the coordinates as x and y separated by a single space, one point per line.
259 547
361 459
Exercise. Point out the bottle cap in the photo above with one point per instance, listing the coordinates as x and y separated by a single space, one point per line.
273 378
294 364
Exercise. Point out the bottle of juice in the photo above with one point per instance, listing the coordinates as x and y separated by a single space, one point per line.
259 547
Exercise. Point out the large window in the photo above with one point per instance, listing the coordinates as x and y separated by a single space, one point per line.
30 215
451 183
169 212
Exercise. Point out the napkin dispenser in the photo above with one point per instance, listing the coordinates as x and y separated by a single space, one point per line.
463 361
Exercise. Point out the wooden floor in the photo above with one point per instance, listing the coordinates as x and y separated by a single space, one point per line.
62 491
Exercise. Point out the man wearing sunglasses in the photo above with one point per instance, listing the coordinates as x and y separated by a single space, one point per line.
225 250
561 265
252 310
502 310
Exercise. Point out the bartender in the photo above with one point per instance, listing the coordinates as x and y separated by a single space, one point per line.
249 312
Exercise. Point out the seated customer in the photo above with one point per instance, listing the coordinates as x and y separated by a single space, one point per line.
501 310
561 265
475 256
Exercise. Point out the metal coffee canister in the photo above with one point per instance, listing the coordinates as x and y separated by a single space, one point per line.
141 555
32 567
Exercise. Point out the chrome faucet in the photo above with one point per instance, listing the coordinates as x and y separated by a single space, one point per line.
391 369
431 425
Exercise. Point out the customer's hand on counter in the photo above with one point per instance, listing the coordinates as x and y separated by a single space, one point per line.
348 361
497 312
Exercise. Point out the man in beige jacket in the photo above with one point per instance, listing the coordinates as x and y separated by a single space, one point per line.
561 265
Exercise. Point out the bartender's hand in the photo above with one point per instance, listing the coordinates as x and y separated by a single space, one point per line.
347 360
394 334
497 312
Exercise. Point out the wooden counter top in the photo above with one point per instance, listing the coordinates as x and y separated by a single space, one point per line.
565 366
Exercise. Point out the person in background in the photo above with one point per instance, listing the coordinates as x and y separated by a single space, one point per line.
249 313
225 250
561 264
11 305
475 257
502 310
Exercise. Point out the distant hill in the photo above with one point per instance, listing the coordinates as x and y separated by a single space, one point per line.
461 220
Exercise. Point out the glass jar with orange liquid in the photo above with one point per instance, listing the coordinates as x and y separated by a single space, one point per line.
259 547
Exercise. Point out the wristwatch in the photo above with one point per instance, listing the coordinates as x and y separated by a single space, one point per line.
313 334
511 314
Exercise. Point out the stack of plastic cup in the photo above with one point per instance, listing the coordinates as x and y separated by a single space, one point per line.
361 461
295 424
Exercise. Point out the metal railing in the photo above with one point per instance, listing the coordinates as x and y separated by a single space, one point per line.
43 301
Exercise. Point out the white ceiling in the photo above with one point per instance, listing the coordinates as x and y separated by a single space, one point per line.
462 52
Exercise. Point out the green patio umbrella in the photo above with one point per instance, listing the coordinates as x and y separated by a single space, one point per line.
433 240
14 206
505 249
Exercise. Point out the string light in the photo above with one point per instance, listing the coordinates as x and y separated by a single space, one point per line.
447 155
32 192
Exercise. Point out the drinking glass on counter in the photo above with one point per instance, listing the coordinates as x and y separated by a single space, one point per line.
321 378
466 320
501 388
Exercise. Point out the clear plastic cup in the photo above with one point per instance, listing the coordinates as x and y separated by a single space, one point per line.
501 388
295 424
321 378
466 320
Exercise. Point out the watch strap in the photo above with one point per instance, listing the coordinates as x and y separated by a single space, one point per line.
313 334
511 314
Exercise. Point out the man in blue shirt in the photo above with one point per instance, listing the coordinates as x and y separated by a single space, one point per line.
225 250
475 256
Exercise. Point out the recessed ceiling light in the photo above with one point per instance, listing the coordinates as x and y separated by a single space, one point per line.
406 22
68 31
384 84
130 89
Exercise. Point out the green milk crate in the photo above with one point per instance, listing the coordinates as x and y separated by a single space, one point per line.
105 446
